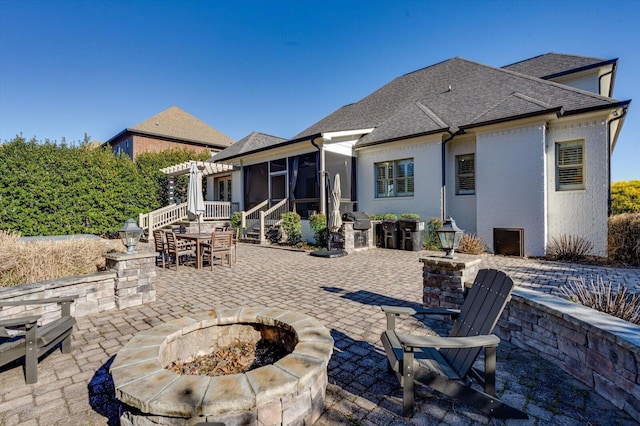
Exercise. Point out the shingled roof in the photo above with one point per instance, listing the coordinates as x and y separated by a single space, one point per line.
451 95
175 123
552 65
254 142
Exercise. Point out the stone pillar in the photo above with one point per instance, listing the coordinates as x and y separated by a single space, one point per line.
443 280
135 276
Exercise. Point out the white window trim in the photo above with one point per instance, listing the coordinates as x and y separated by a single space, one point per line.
394 179
558 167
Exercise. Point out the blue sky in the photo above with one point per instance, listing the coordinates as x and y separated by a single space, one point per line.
69 67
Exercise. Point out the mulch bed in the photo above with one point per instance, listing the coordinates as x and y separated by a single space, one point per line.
231 360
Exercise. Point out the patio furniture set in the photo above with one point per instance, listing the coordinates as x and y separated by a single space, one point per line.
196 248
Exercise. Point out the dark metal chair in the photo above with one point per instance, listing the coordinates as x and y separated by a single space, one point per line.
446 363
31 341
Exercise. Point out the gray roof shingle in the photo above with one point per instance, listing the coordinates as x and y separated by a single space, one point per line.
176 123
456 92
554 64
254 142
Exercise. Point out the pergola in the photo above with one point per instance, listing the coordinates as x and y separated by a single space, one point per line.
207 168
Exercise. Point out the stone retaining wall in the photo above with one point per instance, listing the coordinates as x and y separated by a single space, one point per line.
129 282
600 350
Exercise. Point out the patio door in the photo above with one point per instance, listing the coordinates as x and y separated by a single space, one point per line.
223 188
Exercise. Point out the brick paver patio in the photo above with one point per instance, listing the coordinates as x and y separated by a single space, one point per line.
344 294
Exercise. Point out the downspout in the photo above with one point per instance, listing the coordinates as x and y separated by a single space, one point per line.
443 192
609 152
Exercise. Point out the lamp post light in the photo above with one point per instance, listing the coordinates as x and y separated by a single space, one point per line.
450 236
130 235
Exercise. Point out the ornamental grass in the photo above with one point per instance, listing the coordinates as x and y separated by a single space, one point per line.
604 298
27 262
624 239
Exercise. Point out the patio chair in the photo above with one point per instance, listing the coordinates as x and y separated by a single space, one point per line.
220 245
446 363
36 340
161 246
177 249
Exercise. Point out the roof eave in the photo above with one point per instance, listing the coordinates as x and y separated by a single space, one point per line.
558 111
359 145
166 137
267 148
620 104
580 69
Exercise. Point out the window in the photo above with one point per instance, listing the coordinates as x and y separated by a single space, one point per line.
394 178
465 174
570 165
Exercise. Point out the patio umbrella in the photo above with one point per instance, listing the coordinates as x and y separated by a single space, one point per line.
195 201
335 221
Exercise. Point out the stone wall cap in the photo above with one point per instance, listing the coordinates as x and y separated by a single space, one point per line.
460 262
626 334
119 256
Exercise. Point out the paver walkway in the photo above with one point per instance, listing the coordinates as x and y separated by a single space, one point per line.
343 293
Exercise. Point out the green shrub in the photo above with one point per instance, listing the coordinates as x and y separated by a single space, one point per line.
624 238
602 297
625 197
472 244
409 216
431 240
236 219
384 216
291 227
569 248
318 224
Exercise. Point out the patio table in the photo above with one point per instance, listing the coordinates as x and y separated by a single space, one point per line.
198 238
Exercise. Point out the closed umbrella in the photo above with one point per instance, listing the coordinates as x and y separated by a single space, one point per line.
195 200
335 221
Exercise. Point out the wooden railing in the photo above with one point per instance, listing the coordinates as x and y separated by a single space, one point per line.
259 218
214 210
252 217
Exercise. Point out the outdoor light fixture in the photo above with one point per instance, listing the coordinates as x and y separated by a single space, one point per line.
450 236
130 235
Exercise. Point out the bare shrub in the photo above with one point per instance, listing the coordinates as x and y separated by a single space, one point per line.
624 238
604 298
472 244
569 248
26 262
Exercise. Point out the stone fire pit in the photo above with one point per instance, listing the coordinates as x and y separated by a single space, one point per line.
290 391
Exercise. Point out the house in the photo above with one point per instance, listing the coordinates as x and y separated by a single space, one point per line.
169 129
517 155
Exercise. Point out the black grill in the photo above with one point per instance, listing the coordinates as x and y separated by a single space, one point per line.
360 220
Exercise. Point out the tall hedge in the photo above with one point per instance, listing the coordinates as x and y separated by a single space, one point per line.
53 188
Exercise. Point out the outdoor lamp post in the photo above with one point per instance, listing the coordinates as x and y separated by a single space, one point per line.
130 235
450 236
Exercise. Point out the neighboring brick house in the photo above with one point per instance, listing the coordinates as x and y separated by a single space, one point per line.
172 128
518 155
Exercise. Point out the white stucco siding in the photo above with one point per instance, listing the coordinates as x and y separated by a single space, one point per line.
510 184
461 207
581 212
427 178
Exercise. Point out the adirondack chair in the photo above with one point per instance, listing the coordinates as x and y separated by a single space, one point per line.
37 340
446 363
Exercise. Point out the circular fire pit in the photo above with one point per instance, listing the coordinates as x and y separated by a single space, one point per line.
289 391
